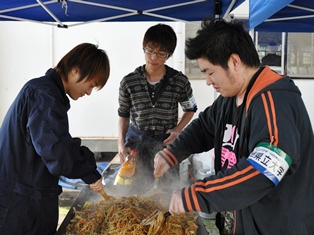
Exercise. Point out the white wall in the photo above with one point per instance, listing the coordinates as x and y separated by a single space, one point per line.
306 87
27 50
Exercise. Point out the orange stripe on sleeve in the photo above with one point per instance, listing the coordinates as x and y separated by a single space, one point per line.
166 157
227 178
230 184
195 201
174 159
272 106
267 117
187 199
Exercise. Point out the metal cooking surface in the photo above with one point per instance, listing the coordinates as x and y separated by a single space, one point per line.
86 194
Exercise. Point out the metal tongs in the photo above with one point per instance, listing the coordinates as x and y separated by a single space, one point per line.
149 220
156 183
154 189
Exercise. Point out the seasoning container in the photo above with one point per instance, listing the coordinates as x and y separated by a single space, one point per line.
127 170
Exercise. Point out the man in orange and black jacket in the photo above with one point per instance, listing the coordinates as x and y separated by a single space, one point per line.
262 135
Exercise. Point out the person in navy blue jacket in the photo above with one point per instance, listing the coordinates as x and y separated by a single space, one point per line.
36 147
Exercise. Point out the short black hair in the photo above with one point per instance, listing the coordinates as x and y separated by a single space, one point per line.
90 60
162 36
218 39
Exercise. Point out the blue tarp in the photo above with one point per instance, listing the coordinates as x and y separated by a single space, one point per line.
112 10
281 16
78 183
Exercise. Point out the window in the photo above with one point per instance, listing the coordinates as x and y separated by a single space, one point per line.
192 70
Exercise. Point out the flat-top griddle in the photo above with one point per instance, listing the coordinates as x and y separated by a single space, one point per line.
88 195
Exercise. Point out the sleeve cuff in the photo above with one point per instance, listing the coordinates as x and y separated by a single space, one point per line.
168 156
189 198
92 178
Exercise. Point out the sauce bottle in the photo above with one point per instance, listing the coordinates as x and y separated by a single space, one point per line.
127 170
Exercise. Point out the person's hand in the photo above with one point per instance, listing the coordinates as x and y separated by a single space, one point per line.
176 203
123 152
160 165
122 157
97 186
173 135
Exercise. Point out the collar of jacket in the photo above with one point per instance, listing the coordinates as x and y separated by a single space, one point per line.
57 79
265 78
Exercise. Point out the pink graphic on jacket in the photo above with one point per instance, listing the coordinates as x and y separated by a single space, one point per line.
229 141
228 155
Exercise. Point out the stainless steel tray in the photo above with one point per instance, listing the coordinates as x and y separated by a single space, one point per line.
86 194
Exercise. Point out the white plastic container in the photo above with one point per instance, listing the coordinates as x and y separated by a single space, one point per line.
204 161
184 171
203 166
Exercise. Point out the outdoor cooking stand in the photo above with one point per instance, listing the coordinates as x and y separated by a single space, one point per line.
88 195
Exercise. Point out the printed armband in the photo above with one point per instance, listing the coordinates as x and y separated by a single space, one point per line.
189 104
270 161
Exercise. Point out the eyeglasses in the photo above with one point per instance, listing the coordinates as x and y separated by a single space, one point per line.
158 54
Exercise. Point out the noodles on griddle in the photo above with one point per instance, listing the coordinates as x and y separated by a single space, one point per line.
124 216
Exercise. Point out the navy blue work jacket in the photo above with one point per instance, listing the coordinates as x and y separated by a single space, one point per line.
35 149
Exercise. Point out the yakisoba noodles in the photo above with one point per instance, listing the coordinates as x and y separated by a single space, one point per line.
124 215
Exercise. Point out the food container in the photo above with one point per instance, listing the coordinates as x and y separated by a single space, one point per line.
86 194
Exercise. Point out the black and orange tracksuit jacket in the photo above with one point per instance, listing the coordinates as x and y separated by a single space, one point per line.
274 113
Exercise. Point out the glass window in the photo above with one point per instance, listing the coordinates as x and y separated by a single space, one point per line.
300 48
192 70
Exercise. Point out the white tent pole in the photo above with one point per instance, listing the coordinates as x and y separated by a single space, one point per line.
132 10
229 9
50 13
295 17
301 8
102 19
175 5
164 17
283 52
19 8
289 18
103 5
145 12
25 7
23 19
